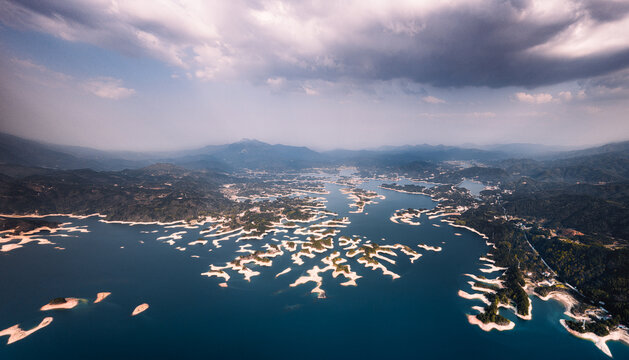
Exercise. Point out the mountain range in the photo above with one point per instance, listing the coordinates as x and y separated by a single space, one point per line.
19 153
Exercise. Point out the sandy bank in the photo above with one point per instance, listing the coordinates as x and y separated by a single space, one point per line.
600 341
283 272
489 326
196 242
15 333
68 304
429 248
101 296
139 309
473 296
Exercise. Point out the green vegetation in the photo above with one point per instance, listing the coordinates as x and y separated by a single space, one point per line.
600 327
574 207
342 268
512 292
486 286
19 226
545 290
601 274
318 245
512 248
58 301
491 314
411 188
584 199
156 193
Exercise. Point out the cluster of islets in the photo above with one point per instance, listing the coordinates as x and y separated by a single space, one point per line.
16 333
360 198
12 239
407 216
320 239
255 192
505 290
317 237
243 226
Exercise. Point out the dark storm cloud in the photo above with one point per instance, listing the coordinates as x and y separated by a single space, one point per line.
470 47
494 43
605 10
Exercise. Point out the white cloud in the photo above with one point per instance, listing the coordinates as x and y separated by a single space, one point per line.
276 82
104 87
312 40
310 91
586 35
433 100
541 98
108 88
565 95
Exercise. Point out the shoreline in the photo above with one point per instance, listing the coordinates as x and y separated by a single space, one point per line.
39 216
101 296
15 333
600 341
472 319
140 309
68 304
568 301
19 240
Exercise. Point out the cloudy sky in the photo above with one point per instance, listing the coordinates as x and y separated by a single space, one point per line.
170 74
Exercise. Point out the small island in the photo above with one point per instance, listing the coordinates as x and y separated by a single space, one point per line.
15 333
408 216
408 189
60 303
101 296
140 309
360 198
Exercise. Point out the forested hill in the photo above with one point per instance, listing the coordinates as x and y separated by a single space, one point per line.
160 192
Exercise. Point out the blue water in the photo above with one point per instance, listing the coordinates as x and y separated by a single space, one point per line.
474 187
418 316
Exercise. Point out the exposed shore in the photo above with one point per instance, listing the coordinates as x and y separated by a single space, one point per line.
489 326
68 304
101 296
600 341
140 309
15 333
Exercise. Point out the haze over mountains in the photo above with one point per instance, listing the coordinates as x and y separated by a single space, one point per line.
254 154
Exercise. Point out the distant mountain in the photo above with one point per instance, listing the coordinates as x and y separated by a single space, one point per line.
616 147
254 154
524 150
201 162
399 155
597 167
23 152
16 152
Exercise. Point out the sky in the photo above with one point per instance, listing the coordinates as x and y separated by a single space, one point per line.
178 74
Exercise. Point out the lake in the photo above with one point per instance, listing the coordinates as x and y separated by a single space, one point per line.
418 316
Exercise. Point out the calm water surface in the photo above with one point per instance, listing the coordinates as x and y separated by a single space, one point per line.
418 316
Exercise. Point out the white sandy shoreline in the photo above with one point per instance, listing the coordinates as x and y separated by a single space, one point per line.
489 326
15 333
140 309
68 304
600 341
